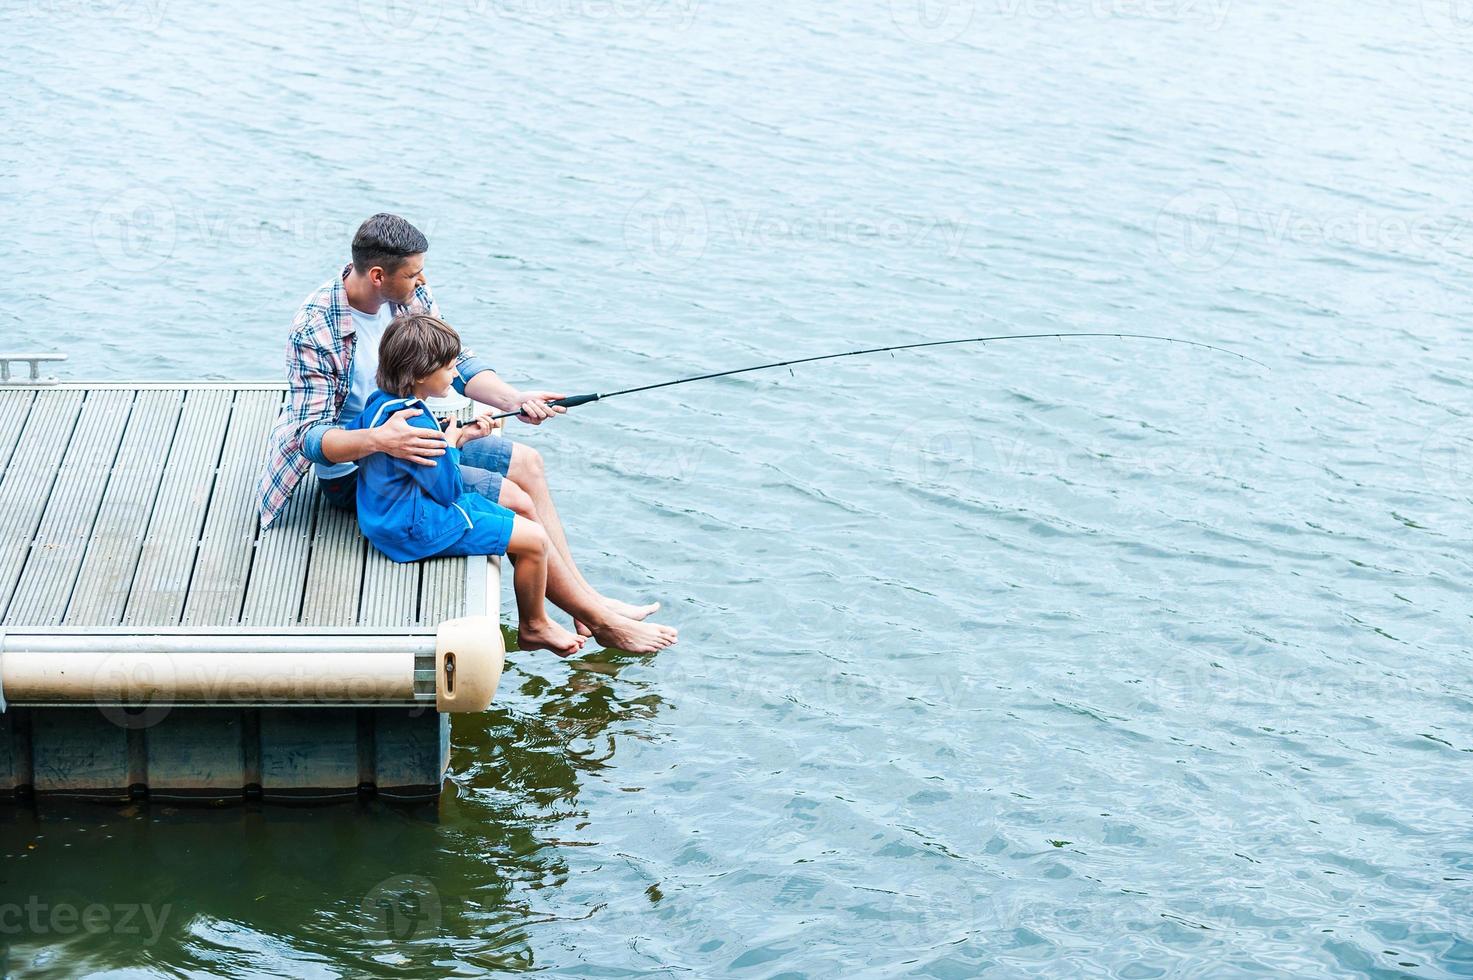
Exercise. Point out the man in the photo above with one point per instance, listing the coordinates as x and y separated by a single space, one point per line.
332 358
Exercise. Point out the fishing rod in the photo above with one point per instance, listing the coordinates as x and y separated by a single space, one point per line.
572 401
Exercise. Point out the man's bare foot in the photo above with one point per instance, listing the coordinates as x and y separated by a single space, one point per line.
628 611
626 634
623 610
547 635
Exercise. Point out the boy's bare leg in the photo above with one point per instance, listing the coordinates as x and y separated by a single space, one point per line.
535 631
528 474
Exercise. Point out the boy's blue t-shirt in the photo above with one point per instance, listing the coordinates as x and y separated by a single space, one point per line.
408 510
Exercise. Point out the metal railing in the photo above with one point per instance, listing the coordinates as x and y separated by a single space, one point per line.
8 363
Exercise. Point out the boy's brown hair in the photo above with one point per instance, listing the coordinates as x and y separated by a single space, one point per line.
414 346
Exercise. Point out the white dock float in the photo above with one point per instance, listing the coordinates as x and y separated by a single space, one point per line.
153 641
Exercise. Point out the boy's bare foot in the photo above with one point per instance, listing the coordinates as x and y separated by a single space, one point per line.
582 628
626 634
547 635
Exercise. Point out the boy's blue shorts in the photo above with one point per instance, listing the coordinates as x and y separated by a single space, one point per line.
490 530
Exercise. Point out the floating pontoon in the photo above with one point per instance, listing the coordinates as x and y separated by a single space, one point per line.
154 642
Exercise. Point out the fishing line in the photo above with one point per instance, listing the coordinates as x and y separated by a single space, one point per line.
575 400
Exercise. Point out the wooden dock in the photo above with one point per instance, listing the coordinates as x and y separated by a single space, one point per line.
132 508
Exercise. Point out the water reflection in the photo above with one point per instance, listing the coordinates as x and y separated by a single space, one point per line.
542 733
366 886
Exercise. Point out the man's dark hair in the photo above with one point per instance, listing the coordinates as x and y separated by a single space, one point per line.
386 240
414 346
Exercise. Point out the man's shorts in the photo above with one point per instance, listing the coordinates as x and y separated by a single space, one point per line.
490 530
483 464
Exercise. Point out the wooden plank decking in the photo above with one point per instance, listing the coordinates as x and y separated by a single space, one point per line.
124 506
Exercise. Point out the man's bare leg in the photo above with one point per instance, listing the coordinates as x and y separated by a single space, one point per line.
529 475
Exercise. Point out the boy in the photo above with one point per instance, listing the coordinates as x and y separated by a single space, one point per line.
411 511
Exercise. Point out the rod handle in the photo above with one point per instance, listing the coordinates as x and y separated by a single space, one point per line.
573 401
569 402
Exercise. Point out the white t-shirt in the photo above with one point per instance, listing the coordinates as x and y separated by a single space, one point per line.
370 327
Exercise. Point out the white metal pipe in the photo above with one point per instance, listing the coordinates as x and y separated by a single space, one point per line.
118 667
304 644
456 668
158 676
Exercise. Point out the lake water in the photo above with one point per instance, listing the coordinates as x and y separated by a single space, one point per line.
1047 658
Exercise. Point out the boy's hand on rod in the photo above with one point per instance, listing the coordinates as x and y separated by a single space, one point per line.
482 426
454 431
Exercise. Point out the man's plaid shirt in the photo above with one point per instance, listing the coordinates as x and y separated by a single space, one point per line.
319 368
